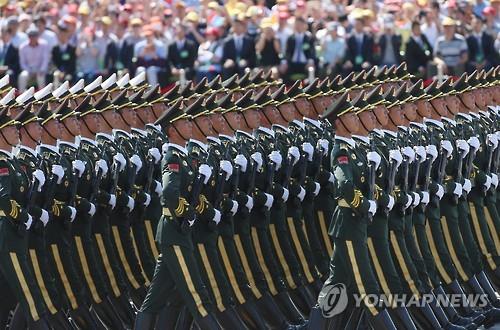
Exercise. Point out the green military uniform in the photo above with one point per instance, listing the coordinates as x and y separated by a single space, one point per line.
176 268
15 272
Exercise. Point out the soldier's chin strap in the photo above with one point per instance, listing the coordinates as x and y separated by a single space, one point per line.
29 134
229 124
67 128
178 132
123 118
86 125
286 120
142 121
245 119
47 131
5 138
267 118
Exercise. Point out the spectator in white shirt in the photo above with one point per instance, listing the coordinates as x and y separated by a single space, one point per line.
34 57
49 36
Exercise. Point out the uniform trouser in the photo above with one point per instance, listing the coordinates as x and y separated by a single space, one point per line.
482 233
323 213
141 244
45 279
124 249
15 272
212 274
419 224
61 261
453 239
151 218
493 219
282 247
106 256
86 260
233 268
300 243
312 231
177 272
380 256
248 256
350 266
465 225
435 236
416 256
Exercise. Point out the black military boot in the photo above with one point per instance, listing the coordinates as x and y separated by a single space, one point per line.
485 283
60 321
251 315
208 322
107 315
476 315
185 320
271 312
491 313
405 318
137 296
144 321
382 321
317 320
443 319
289 309
303 299
230 319
453 314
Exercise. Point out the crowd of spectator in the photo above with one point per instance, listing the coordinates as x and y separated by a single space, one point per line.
57 40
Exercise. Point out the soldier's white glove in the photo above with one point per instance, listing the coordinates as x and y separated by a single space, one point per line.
440 191
409 201
493 140
269 201
432 151
301 194
73 213
29 222
373 157
206 171
420 153
257 157
112 201
487 184
317 188
331 178
130 204
44 217
58 171
234 208
155 153
286 194
309 150
276 158
467 186
120 160
102 166
148 200
474 143
463 146
294 153
136 160
425 198
373 207
40 178
396 156
242 162
158 188
226 166
409 153
324 145
458 189
217 216
78 167
391 202
249 204
494 180
92 210
416 199
447 146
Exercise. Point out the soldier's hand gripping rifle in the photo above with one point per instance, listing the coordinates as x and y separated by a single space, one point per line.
391 178
406 173
443 161
33 194
428 169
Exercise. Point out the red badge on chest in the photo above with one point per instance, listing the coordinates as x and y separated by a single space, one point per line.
4 171
173 167
343 160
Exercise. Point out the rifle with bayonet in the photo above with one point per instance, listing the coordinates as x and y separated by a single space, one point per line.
372 175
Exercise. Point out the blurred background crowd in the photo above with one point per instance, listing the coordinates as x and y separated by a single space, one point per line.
56 40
